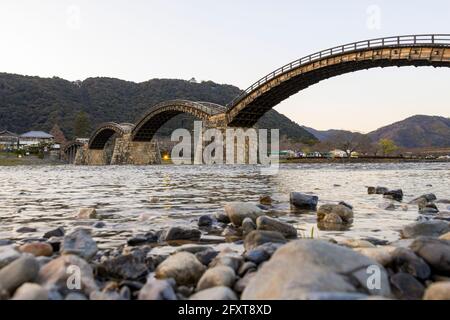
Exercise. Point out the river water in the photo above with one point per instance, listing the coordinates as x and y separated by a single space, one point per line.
44 197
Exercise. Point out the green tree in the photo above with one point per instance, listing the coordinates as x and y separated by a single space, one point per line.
387 146
81 125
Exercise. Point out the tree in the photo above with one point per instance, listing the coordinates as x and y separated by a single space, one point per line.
387 146
349 142
81 125
58 135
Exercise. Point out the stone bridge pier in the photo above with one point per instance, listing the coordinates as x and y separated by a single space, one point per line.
127 151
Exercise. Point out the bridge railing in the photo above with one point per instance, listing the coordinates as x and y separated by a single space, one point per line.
397 41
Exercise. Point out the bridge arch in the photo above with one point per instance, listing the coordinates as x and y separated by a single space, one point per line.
263 95
159 114
70 150
105 131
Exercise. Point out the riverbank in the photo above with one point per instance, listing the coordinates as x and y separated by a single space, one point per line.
258 255
10 159
362 160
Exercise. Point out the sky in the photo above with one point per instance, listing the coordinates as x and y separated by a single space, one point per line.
233 42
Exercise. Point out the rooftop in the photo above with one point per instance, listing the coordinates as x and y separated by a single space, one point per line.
7 133
36 134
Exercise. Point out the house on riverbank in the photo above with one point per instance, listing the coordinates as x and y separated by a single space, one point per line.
8 140
34 138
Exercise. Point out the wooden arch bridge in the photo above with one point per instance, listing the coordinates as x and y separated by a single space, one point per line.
135 144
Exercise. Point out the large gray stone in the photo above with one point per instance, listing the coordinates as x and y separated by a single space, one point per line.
303 267
184 267
79 243
434 228
25 269
238 211
271 224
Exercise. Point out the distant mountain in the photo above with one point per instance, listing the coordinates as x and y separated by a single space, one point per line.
34 103
324 135
417 132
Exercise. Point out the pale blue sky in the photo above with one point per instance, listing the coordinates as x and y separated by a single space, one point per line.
234 42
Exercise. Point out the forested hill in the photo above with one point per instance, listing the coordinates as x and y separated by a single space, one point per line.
34 103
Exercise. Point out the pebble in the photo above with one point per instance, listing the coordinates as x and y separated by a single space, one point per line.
26 230
304 201
76 296
216 293
206 256
22 270
406 287
57 272
380 255
156 289
128 266
243 282
356 243
30 291
215 277
438 291
87 213
37 249
222 217
396 195
406 261
238 211
248 226
58 232
434 251
228 258
271 224
265 200
184 267
247 267
259 237
344 213
434 228
178 233
79 243
205 221
7 255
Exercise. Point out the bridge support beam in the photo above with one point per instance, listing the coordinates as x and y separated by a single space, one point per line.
127 151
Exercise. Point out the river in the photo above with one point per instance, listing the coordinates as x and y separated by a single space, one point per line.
133 199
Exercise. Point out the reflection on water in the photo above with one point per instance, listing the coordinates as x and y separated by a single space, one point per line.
46 197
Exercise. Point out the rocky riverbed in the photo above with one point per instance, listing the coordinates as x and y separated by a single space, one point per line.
263 257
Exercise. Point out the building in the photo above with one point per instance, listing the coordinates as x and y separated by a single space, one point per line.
8 140
34 138
338 153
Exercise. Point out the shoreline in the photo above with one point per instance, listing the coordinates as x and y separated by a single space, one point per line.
175 264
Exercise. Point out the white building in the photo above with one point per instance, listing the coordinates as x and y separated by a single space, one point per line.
34 138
